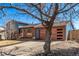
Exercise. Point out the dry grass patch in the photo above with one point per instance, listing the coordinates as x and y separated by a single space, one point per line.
8 42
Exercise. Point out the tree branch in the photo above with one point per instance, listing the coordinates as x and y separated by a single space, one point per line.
64 7
41 11
68 9
55 13
22 10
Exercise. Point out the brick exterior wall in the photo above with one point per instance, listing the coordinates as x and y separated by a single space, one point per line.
58 33
42 33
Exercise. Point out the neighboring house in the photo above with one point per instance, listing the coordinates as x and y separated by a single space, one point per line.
2 33
12 29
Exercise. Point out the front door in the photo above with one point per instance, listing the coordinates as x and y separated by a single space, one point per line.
0 36
37 33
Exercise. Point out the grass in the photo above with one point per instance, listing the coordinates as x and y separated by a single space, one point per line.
8 42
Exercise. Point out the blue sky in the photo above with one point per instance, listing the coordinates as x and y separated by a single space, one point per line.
12 14
76 24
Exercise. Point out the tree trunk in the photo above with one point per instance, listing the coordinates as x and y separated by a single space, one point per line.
47 42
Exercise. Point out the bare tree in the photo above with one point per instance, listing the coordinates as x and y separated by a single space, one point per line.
46 14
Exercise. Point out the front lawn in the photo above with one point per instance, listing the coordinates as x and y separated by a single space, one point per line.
8 42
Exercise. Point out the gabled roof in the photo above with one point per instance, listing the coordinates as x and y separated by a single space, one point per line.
26 26
18 22
63 23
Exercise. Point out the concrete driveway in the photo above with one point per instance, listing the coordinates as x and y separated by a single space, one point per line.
25 48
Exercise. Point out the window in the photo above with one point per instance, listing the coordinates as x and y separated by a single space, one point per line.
60 29
59 32
29 30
